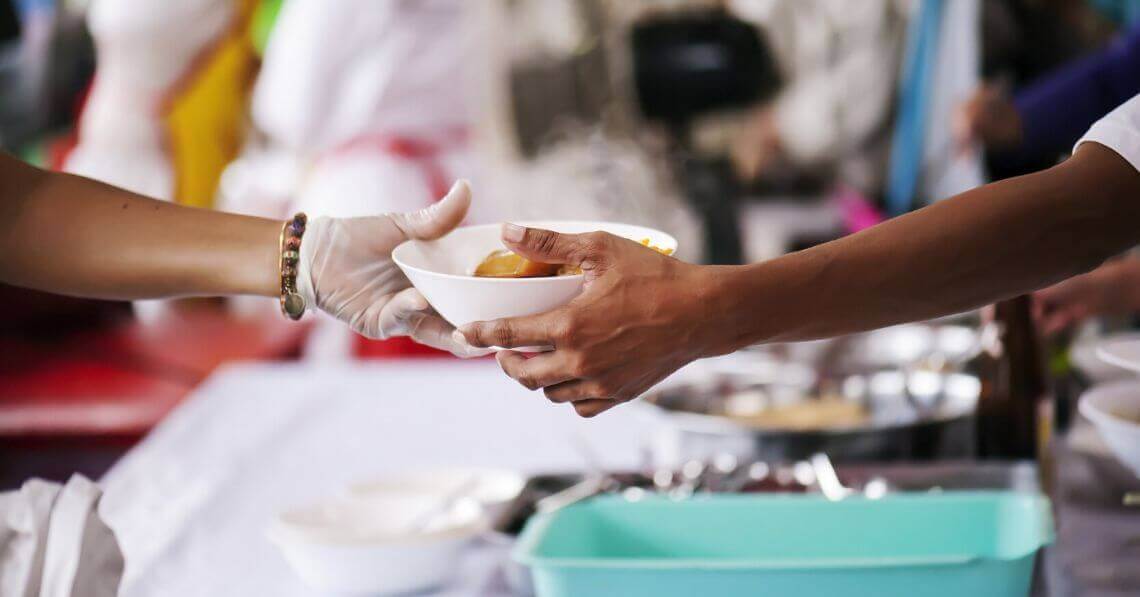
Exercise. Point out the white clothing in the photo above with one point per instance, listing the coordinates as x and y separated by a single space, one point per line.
341 81
840 62
144 48
1119 131
53 543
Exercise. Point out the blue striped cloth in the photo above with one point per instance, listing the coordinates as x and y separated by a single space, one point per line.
914 100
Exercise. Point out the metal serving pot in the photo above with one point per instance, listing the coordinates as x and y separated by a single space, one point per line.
909 382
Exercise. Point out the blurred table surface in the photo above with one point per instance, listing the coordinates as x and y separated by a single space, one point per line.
191 503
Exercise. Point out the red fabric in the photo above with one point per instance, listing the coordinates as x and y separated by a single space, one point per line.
394 348
120 380
423 152
77 395
59 149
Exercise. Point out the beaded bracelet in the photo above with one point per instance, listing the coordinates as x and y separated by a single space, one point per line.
292 303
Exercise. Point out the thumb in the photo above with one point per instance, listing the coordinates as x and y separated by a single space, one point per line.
547 246
438 218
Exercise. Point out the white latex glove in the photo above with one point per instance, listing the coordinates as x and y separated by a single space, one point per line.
346 270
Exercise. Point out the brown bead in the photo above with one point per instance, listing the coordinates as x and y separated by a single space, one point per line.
293 243
293 305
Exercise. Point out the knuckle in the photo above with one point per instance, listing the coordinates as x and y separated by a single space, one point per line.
595 242
543 241
528 381
554 396
563 331
606 389
503 334
581 366
476 334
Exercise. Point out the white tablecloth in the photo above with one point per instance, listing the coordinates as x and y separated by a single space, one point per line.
190 504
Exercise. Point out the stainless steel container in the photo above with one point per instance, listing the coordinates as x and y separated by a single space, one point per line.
909 382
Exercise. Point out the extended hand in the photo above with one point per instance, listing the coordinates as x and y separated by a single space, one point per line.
1111 289
641 316
346 269
988 116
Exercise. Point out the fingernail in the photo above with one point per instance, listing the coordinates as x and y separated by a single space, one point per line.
513 233
459 338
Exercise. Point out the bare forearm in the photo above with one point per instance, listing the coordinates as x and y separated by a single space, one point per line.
72 235
987 244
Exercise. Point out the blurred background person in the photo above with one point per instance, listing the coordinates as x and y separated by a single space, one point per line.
359 106
1110 290
164 112
829 52
1042 120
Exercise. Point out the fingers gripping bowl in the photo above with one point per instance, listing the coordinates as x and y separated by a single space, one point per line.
443 270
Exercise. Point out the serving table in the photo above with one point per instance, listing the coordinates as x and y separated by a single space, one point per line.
191 502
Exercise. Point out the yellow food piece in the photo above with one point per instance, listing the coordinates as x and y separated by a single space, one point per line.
645 243
508 264
504 263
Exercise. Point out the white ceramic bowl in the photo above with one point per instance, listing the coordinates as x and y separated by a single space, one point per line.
1114 408
1121 350
441 270
494 489
348 546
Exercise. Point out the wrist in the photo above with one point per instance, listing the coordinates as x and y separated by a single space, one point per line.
724 309
257 271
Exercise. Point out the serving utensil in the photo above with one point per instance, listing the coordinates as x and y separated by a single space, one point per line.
445 504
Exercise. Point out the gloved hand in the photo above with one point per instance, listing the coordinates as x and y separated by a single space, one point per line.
346 270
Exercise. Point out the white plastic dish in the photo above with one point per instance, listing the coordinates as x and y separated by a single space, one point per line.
1114 409
348 546
441 270
494 489
1085 356
1122 351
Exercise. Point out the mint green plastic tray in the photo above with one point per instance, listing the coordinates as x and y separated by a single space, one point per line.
972 544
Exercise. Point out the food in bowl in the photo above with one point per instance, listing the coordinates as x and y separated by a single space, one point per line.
808 415
442 271
504 263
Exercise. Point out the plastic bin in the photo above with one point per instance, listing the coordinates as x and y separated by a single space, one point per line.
972 544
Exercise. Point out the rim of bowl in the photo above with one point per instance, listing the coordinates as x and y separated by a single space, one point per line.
281 530
391 484
1090 406
530 224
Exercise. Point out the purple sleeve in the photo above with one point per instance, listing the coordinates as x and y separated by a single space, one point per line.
1057 110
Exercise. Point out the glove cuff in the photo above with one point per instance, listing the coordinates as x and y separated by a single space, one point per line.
314 236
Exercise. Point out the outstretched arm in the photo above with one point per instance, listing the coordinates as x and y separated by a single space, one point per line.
72 235
984 245
642 315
